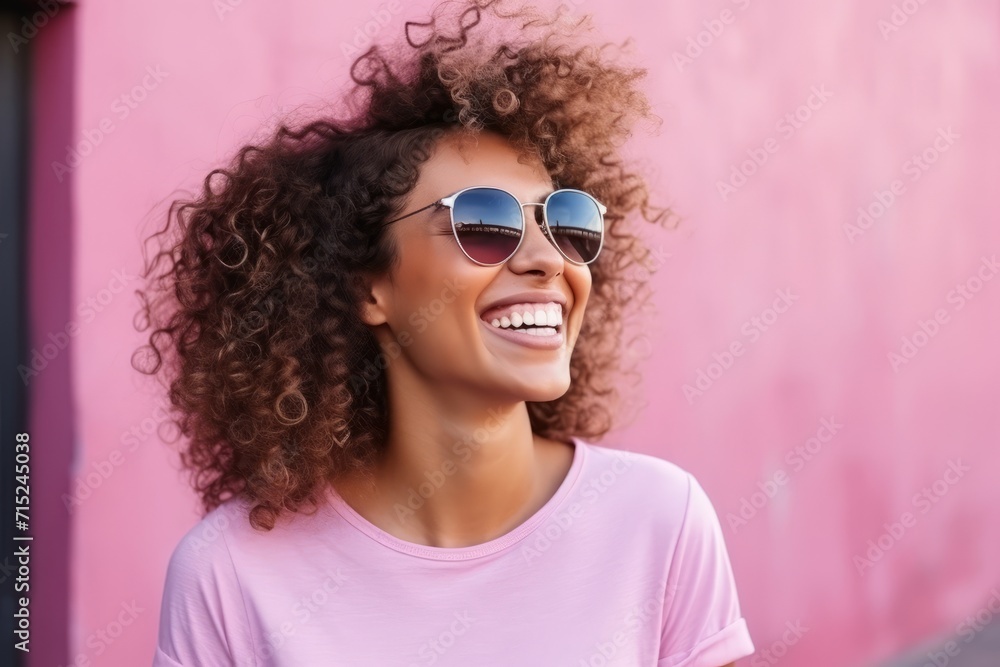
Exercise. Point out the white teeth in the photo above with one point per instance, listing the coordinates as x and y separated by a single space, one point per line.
543 321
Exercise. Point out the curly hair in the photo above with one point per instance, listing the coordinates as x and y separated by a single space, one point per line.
274 380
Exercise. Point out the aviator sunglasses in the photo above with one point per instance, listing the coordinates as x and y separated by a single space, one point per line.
489 223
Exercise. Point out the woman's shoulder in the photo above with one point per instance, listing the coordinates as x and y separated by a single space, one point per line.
203 619
645 473
658 499
204 547
654 487
224 540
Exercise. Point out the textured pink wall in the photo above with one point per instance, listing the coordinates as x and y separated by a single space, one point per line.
200 77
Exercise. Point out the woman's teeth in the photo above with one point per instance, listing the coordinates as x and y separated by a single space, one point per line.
536 322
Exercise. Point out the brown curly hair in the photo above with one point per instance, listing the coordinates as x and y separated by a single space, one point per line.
274 379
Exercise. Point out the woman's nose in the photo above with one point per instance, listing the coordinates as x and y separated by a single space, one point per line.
537 247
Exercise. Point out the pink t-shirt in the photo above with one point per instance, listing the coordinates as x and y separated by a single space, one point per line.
624 565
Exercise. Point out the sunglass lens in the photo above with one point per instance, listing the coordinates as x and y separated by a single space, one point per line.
488 224
576 224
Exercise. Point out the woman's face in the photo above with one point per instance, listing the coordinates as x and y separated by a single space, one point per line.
429 312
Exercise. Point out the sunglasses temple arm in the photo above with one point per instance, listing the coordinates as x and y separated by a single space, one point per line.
435 203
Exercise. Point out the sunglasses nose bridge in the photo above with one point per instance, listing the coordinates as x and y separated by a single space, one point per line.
538 219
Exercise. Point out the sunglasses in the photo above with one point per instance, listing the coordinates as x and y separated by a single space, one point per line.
489 223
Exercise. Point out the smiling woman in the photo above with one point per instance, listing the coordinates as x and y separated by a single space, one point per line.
390 340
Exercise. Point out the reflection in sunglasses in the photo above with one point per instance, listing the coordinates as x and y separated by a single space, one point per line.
490 229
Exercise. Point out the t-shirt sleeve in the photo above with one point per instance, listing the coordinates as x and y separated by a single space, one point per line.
202 616
702 626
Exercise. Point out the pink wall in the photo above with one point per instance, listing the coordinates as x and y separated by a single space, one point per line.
198 83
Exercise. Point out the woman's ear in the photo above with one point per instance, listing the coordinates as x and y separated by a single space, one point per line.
373 299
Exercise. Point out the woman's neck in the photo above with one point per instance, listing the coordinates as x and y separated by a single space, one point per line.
452 494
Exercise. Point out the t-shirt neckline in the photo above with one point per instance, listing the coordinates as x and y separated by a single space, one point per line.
477 550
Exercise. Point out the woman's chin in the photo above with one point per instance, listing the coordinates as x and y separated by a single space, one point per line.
549 391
